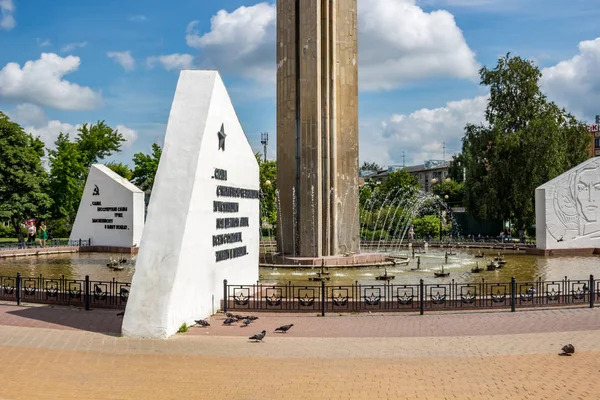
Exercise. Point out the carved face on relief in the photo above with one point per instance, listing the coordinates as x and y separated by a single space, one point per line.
588 194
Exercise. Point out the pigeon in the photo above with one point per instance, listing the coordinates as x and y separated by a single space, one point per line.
246 322
229 315
284 328
121 314
202 323
229 321
568 349
258 336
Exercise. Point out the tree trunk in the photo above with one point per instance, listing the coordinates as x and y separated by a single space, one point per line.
17 228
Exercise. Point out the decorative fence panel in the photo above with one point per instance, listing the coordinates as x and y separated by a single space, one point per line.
324 298
64 291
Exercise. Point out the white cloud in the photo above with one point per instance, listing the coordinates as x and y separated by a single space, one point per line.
129 134
41 82
575 83
43 42
572 83
28 114
35 121
50 131
7 18
172 61
123 58
242 41
398 43
72 46
421 134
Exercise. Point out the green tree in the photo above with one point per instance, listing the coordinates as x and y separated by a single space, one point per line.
526 142
145 167
454 190
370 166
121 169
97 142
23 180
268 186
71 160
428 225
66 183
397 184
457 167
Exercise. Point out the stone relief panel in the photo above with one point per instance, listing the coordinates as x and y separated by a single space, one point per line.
573 204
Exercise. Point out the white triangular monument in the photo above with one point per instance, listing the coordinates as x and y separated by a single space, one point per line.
111 211
203 218
567 209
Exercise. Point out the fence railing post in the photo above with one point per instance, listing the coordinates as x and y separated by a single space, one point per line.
19 288
421 297
86 293
592 291
323 297
513 294
225 296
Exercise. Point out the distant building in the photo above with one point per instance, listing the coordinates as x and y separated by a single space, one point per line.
424 173
594 131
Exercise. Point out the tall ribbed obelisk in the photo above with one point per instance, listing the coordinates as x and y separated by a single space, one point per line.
317 127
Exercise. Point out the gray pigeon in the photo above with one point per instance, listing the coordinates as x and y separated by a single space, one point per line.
258 336
229 321
284 328
568 349
246 322
202 323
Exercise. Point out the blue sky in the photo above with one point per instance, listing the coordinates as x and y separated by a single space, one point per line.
418 63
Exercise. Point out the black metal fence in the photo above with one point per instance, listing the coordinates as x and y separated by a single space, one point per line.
64 291
421 297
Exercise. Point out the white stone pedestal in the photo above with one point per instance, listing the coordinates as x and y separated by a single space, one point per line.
203 217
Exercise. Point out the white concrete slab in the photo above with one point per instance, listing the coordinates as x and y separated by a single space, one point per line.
567 209
111 211
203 217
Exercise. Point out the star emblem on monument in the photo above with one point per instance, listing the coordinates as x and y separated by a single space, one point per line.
222 137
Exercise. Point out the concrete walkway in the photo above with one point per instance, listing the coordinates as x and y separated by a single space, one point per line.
69 353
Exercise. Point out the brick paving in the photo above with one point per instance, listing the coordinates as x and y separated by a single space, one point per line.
51 353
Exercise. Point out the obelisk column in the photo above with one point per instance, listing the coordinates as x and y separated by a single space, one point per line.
317 127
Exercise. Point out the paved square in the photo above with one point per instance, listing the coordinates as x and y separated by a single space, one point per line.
51 353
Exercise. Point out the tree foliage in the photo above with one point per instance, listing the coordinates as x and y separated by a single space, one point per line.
145 167
427 226
23 180
454 190
121 169
97 141
268 187
527 141
370 166
66 177
71 160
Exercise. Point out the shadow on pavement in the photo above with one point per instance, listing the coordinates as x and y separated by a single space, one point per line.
98 321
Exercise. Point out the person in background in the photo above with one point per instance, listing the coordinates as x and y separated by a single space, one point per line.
411 233
43 234
31 231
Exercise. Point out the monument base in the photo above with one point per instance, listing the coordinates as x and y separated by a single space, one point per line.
563 252
340 261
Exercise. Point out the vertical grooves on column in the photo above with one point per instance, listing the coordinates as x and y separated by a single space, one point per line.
298 124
